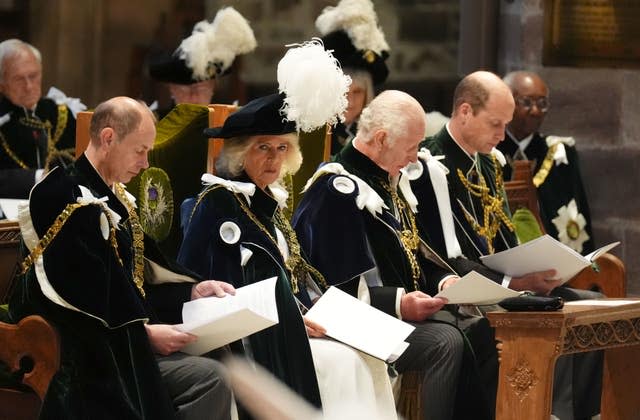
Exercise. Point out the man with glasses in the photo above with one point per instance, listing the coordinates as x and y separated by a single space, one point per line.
563 203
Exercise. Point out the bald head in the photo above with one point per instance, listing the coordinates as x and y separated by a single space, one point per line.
389 130
482 107
531 102
122 114
522 80
122 133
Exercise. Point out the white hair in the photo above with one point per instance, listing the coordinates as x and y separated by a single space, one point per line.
12 48
391 111
230 162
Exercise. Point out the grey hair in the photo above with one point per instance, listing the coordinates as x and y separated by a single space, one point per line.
13 47
362 78
230 162
388 114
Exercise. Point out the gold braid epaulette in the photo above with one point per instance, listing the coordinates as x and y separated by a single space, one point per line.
545 167
56 227
492 206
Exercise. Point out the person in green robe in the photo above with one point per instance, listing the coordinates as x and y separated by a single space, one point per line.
94 275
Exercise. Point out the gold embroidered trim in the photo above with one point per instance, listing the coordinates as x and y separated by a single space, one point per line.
492 206
11 153
63 117
138 239
408 235
56 227
296 265
545 167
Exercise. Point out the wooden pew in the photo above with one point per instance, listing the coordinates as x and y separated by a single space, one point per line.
609 279
33 342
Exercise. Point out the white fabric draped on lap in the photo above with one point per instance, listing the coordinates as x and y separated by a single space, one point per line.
347 377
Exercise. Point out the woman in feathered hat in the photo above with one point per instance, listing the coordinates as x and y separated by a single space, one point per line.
351 32
190 71
237 231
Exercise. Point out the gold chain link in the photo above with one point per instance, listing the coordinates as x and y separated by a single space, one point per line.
296 265
138 239
492 206
409 237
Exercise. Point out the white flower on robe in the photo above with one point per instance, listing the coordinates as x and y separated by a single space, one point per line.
570 224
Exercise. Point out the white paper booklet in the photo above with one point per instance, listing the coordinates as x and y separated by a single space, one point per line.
476 289
544 253
360 325
219 321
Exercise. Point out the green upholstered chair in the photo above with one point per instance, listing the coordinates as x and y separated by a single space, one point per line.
176 163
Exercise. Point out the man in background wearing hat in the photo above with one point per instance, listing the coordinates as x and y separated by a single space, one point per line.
190 71
351 32
35 132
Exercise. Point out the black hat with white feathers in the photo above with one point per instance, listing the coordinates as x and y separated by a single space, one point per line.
351 31
312 92
207 52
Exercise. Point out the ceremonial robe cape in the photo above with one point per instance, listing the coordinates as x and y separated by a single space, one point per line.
223 242
24 148
86 290
471 244
562 184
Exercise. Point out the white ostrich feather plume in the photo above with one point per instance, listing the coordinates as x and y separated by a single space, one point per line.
314 85
217 43
359 20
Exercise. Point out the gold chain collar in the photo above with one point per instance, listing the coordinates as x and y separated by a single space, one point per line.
408 235
296 265
138 239
63 116
492 206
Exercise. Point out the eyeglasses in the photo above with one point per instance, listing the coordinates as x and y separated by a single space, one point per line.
542 103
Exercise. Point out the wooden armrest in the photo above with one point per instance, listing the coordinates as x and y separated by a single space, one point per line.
36 339
609 279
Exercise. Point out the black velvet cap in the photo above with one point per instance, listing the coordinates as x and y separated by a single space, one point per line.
261 116
350 57
170 68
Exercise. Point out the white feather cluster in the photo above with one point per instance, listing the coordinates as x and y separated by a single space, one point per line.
314 85
217 43
359 20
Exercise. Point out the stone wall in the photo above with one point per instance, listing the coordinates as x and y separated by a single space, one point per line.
90 52
598 107
93 51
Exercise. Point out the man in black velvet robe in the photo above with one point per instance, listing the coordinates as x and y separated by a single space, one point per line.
356 224
93 274
463 214
35 132
557 169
